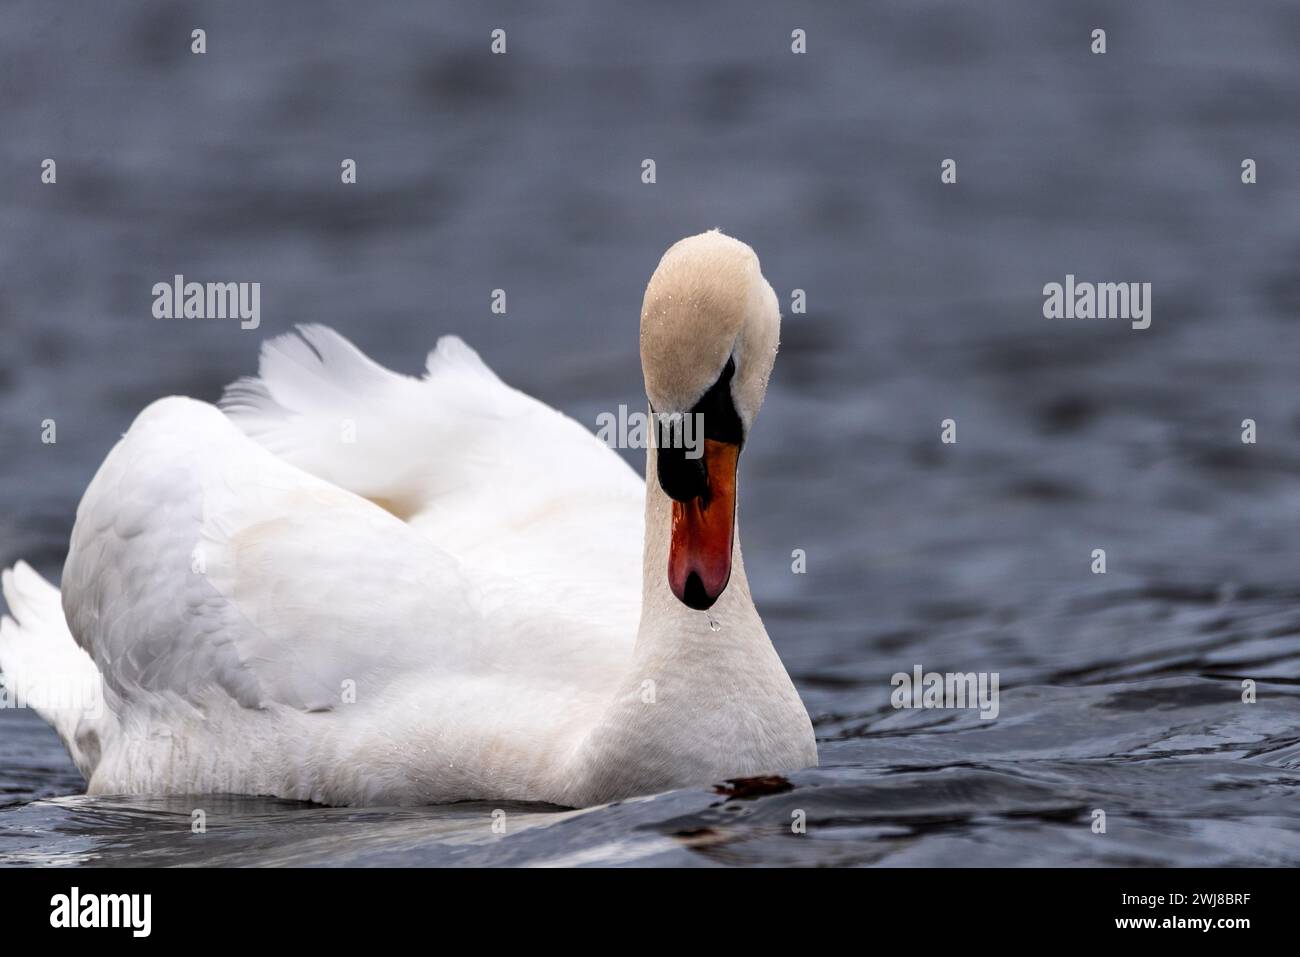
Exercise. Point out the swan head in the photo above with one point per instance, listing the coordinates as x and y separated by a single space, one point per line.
710 326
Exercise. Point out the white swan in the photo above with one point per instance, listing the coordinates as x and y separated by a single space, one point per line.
356 587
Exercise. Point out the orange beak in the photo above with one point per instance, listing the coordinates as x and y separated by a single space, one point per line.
699 555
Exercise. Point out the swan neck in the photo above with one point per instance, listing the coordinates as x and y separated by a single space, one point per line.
662 614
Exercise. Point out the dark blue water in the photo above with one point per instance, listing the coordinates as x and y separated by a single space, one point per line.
1119 692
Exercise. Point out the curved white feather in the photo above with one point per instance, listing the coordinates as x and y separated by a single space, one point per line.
42 667
474 465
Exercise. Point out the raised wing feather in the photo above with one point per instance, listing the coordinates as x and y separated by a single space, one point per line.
412 444
497 478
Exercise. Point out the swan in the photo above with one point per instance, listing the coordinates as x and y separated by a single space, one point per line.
353 587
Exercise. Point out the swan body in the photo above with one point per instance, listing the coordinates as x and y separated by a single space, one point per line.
354 587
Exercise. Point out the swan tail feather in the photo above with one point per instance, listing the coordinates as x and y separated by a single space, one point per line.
42 666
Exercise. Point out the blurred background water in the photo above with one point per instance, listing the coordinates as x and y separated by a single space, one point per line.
1119 692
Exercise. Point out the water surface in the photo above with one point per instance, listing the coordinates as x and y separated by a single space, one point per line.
1119 692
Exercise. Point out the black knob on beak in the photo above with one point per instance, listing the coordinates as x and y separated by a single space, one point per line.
682 478
683 474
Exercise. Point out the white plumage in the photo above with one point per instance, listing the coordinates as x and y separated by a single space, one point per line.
356 587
